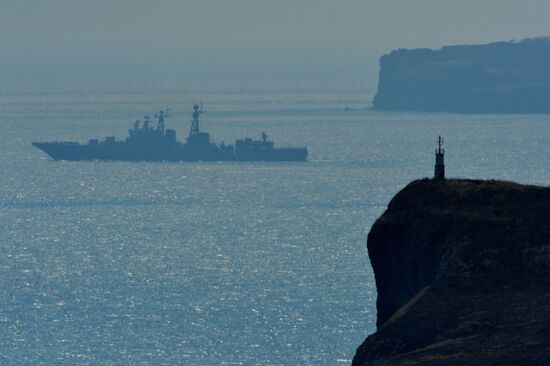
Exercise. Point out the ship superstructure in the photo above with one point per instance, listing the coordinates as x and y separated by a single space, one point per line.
148 143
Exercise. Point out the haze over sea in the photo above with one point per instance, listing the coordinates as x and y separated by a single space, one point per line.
217 263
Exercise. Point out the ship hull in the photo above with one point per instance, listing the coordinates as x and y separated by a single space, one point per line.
119 152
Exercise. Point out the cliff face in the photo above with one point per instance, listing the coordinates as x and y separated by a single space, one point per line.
462 270
504 77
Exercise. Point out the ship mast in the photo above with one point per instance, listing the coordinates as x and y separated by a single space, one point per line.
160 125
195 124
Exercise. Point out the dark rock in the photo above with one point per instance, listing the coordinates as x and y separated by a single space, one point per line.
462 269
503 77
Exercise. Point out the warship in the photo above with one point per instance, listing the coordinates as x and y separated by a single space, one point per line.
148 143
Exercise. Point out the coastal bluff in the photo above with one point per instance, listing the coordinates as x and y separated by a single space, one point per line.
501 77
462 270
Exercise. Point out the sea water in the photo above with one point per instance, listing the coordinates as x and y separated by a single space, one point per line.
217 263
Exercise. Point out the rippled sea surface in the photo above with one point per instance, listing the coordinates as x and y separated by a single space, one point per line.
216 263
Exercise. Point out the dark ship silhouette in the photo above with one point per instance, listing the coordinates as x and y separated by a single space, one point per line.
159 144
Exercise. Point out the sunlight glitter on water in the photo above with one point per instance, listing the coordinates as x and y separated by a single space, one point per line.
210 263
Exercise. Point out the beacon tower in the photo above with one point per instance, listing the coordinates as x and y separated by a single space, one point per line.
439 171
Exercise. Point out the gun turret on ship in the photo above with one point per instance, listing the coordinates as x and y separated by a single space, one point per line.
147 143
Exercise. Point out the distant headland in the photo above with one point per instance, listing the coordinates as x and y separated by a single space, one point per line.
501 77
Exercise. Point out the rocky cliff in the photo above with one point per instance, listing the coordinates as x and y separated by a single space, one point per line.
462 270
503 77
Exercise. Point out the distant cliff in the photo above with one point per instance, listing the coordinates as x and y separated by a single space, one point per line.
462 270
503 77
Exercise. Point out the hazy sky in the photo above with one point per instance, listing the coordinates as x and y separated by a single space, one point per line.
78 44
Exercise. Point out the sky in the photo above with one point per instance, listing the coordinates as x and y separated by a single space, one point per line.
87 45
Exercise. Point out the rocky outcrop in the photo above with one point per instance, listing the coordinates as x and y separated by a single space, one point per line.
462 270
503 77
